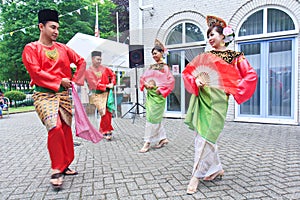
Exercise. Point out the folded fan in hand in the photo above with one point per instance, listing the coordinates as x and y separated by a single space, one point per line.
213 71
155 78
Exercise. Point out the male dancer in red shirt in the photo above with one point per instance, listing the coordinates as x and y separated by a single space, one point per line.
48 63
101 80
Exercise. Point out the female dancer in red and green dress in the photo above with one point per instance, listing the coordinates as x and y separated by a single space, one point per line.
208 105
159 83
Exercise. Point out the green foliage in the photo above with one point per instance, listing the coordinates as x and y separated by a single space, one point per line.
122 7
18 19
107 24
72 22
15 95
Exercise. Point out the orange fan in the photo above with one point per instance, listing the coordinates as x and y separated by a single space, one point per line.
214 72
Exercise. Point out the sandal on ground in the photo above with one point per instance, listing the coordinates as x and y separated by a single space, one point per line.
193 185
212 177
161 143
109 136
56 180
69 172
145 148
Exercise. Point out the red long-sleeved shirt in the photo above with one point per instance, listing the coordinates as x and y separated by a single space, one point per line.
47 66
98 78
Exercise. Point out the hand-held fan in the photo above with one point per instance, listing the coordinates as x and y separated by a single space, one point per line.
214 72
157 78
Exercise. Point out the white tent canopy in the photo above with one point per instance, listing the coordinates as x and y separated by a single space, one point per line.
114 54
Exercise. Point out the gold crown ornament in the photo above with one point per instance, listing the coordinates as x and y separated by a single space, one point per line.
158 43
213 20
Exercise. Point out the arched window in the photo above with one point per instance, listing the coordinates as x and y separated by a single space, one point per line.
253 25
277 21
175 35
185 32
185 40
268 40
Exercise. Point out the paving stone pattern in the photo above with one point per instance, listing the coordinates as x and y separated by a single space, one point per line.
261 161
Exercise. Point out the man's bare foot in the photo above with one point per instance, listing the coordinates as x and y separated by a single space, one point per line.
56 179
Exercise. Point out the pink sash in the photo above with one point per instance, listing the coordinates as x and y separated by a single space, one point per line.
83 126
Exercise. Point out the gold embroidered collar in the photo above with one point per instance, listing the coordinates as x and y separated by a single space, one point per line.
227 55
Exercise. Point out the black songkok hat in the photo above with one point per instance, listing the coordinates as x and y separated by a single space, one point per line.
96 53
48 15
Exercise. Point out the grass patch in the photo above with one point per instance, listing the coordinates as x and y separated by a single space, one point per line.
20 109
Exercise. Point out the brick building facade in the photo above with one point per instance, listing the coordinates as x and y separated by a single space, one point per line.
266 31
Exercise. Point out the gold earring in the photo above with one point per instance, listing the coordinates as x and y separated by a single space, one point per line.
222 43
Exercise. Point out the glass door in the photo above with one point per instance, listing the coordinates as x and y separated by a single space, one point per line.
178 100
280 78
252 52
274 63
174 99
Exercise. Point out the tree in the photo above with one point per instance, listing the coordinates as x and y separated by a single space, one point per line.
72 20
14 15
19 27
106 24
122 7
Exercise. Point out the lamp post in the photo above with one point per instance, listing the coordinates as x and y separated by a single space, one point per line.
9 84
117 20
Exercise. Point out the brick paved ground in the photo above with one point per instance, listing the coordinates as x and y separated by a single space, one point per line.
260 161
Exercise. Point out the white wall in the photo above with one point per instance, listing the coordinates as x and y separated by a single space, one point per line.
168 12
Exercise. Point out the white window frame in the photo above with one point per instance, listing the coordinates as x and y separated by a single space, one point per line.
265 35
271 36
184 44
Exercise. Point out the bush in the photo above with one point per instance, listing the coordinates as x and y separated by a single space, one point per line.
26 102
15 96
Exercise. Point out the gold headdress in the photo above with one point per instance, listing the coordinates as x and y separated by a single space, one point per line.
158 43
213 20
227 30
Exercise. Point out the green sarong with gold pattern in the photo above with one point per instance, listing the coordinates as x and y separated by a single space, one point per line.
207 113
155 106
